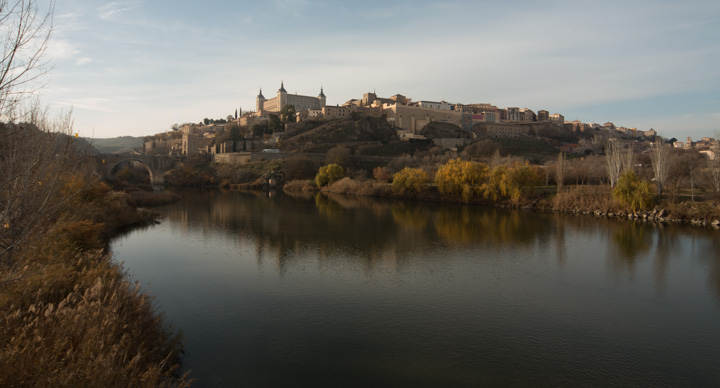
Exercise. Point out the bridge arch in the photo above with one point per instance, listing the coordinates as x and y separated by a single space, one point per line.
156 165
114 166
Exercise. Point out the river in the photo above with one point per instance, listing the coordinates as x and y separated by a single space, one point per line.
318 291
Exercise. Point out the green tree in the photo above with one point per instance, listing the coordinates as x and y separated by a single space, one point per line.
275 124
633 191
409 180
287 115
329 174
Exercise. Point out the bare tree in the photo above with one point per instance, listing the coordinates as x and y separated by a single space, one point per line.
25 36
660 158
614 159
339 154
713 163
33 161
560 171
627 158
42 166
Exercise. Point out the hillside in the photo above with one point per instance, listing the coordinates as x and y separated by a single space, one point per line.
363 130
438 130
116 145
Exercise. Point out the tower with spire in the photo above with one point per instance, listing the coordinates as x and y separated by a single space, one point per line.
321 97
282 95
259 102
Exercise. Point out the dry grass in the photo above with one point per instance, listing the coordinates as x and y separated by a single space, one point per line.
300 185
589 198
704 210
68 316
83 325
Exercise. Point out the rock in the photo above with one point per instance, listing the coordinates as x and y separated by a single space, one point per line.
716 223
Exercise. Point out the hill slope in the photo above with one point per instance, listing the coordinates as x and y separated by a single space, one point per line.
365 129
117 145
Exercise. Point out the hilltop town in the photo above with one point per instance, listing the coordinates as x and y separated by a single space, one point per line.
277 123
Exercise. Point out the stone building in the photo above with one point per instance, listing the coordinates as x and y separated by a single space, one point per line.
190 140
414 118
336 112
284 98
543 115
558 119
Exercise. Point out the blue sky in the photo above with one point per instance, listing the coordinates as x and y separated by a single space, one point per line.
136 67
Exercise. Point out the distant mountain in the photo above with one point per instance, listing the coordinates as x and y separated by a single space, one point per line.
117 145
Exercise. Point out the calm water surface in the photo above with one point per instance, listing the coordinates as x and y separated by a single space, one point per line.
318 291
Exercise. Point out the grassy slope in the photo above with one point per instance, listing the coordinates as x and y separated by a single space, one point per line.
116 145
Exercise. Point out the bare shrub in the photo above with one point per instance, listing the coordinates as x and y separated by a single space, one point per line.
382 174
343 186
339 155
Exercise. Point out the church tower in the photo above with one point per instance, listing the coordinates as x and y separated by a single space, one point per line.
259 102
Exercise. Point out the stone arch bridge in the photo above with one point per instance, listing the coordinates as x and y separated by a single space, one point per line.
157 165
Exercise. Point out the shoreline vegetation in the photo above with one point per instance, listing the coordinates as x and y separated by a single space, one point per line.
518 185
70 315
504 181
587 200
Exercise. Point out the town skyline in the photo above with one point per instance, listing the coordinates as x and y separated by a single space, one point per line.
135 67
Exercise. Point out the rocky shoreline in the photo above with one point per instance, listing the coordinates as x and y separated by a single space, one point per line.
655 215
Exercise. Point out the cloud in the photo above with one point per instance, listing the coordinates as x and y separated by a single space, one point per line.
108 11
97 104
83 61
60 49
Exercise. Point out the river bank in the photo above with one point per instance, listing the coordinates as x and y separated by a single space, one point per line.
70 316
586 200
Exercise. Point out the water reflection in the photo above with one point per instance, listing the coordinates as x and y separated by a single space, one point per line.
382 292
375 230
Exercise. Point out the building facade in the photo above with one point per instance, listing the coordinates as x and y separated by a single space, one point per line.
284 98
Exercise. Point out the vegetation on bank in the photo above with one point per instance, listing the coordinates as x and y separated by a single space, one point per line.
481 173
69 316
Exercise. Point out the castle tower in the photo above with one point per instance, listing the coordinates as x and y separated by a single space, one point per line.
321 97
259 102
282 95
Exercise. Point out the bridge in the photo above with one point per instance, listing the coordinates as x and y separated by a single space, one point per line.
156 165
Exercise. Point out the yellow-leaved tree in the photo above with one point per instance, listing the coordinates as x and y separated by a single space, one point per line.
461 177
409 180
632 191
328 174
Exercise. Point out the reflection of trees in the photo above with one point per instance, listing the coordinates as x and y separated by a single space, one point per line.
379 233
472 224
630 240
709 254
409 216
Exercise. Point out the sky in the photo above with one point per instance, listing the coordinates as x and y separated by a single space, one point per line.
136 67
